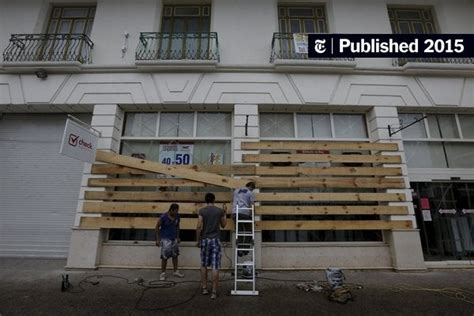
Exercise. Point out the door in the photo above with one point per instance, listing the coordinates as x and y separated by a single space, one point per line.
39 188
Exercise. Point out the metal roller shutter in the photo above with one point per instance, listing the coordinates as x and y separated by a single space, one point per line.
39 188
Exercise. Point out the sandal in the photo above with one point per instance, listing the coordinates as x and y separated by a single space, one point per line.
204 291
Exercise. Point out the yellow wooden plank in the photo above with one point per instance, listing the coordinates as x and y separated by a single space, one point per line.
156 167
218 169
155 196
143 207
137 223
130 182
267 182
312 182
256 158
349 197
334 171
333 225
310 145
332 210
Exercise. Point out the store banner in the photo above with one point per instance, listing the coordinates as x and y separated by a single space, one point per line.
300 40
79 142
176 154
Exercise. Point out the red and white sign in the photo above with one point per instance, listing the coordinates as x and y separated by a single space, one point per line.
79 142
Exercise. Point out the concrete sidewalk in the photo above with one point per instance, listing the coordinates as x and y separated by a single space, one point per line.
33 287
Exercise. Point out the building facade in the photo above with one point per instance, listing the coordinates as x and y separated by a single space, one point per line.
213 74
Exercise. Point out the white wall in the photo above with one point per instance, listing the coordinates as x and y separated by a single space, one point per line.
245 29
113 19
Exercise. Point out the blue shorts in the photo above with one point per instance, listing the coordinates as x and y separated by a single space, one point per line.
211 253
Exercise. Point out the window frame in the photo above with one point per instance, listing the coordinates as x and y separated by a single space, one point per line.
332 126
437 140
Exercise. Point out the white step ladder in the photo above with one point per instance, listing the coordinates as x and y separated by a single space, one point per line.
244 247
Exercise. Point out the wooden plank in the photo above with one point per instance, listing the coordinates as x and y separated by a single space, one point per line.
340 197
137 223
334 171
190 223
332 210
267 182
310 145
185 173
159 182
155 196
218 169
141 207
333 225
256 158
312 182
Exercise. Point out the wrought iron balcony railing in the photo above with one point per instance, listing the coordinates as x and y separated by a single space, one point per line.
178 46
283 47
49 47
398 62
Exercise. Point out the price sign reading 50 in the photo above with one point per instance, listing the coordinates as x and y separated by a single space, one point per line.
176 154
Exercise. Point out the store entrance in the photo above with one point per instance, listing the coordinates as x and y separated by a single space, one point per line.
445 215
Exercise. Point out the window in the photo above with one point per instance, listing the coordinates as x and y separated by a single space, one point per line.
71 20
317 126
439 141
302 19
411 20
185 32
200 138
314 126
68 31
296 19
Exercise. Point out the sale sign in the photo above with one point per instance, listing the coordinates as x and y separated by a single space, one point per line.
176 154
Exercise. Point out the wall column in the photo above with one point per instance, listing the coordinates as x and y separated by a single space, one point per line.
84 249
246 129
405 244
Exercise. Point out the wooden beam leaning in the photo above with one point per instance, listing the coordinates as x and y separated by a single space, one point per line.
218 169
332 210
339 197
154 196
163 182
321 158
333 225
137 223
309 145
156 167
317 182
327 171
138 207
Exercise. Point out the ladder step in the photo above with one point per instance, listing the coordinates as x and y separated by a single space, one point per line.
241 292
243 234
244 221
245 264
244 249
244 280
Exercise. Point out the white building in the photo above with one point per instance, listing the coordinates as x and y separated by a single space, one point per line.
215 73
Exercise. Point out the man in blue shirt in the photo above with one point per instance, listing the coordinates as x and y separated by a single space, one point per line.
167 237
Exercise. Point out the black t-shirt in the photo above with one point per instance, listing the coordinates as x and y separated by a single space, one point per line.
211 221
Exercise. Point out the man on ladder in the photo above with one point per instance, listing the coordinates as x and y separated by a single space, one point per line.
243 214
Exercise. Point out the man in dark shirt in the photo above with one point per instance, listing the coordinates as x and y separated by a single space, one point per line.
211 219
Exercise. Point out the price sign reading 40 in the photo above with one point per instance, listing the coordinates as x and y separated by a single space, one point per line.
176 154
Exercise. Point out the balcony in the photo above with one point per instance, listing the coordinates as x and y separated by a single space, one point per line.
285 57
49 48
445 66
177 49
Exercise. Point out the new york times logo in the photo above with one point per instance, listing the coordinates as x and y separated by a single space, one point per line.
390 45
320 46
